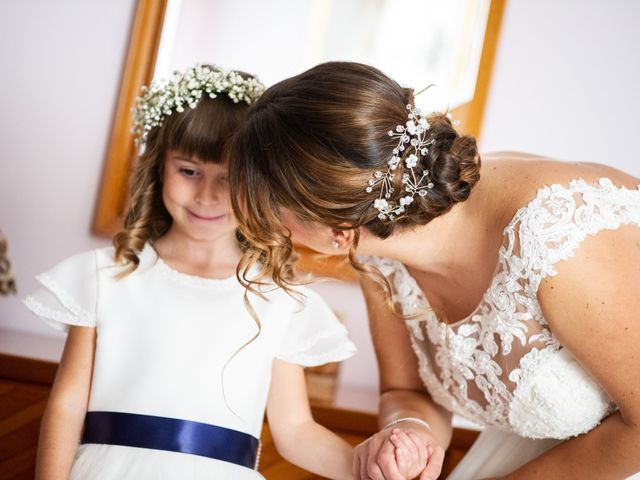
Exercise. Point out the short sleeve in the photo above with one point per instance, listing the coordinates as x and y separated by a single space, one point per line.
314 335
68 293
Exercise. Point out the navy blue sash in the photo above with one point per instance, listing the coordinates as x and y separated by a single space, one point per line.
174 435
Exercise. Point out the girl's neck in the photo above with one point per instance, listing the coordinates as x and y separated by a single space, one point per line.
215 258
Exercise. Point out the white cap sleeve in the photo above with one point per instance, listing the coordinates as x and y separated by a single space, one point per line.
68 293
314 335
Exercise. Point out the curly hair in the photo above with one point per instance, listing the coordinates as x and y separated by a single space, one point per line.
311 143
203 132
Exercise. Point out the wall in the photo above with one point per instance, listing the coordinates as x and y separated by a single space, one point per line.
566 82
61 66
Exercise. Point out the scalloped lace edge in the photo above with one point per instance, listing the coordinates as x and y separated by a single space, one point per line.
55 318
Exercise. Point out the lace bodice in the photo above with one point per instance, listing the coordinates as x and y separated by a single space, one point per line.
502 365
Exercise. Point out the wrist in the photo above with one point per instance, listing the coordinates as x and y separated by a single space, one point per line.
409 421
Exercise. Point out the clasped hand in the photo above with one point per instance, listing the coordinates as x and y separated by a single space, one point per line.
400 453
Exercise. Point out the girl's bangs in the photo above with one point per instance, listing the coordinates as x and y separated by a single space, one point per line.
204 132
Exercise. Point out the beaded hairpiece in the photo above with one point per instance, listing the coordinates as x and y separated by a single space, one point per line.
186 89
410 136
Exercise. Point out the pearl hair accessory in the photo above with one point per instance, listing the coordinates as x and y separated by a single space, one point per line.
411 136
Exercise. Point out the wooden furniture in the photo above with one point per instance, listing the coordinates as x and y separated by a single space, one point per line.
24 388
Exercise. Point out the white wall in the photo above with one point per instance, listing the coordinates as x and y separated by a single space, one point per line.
61 65
566 84
566 81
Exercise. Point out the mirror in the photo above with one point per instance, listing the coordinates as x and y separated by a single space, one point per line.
450 44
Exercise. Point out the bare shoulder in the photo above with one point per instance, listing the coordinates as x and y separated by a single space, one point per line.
515 177
591 305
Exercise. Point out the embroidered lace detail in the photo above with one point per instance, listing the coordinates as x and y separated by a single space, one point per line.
189 280
76 314
477 366
59 318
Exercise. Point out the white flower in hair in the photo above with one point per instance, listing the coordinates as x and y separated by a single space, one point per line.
411 136
186 89
411 161
381 204
406 200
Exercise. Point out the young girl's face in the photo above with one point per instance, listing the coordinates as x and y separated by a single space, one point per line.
196 195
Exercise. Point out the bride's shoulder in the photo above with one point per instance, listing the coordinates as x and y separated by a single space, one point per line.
512 180
527 173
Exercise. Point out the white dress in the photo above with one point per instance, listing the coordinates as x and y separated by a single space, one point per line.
163 340
502 367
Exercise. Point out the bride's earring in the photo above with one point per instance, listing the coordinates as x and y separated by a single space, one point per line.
336 244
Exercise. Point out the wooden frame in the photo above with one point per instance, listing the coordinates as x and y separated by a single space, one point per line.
471 114
138 71
141 58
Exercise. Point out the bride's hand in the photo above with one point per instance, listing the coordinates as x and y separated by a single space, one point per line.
376 458
411 454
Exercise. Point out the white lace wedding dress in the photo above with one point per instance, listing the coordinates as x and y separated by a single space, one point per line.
501 366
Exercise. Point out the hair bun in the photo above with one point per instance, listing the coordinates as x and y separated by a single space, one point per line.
455 164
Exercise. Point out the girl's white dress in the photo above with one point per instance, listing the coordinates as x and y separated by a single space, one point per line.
502 366
170 345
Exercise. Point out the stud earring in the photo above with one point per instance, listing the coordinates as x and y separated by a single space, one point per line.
336 244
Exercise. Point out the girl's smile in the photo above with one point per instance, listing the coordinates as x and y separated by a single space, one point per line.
207 218
196 195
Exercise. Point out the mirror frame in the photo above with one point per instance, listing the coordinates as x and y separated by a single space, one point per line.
138 70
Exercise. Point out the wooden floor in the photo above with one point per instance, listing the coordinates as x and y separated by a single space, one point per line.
21 407
25 385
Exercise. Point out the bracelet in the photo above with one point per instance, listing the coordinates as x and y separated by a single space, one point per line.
408 419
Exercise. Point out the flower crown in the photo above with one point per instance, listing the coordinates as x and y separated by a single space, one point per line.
412 135
186 89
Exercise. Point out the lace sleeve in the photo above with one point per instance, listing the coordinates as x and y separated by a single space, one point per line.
559 219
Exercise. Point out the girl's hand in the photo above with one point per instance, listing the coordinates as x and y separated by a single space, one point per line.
375 458
411 454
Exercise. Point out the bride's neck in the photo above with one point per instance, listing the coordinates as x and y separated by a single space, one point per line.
449 245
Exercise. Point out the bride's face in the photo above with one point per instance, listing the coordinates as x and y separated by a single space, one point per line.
314 235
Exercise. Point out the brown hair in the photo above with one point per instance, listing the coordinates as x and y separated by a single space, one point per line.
203 132
311 143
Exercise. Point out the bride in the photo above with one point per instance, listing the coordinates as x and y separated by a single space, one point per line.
505 290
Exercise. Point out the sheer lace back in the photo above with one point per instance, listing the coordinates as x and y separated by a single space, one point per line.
502 365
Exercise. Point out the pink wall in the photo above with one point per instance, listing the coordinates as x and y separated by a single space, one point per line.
567 82
61 67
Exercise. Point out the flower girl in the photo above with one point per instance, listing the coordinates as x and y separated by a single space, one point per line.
169 365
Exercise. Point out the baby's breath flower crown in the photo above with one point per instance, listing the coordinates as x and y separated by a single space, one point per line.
186 89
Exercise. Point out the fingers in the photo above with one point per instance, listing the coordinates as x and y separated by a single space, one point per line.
422 448
409 454
383 466
363 475
355 468
364 465
402 441
396 455
402 461
359 468
434 466
403 455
